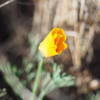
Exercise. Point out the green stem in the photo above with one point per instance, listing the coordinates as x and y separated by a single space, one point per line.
50 87
41 96
38 75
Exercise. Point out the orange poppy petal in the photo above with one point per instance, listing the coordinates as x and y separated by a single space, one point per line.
54 43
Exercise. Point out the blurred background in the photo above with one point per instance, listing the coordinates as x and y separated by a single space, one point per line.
72 75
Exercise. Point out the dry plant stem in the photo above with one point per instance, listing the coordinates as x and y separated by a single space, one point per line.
11 1
88 41
6 3
78 40
77 56
37 79
74 38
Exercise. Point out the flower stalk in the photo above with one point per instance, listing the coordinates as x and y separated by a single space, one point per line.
38 76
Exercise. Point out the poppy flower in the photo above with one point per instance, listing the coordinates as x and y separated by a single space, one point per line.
54 43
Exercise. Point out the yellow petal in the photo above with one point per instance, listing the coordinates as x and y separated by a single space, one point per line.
54 43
